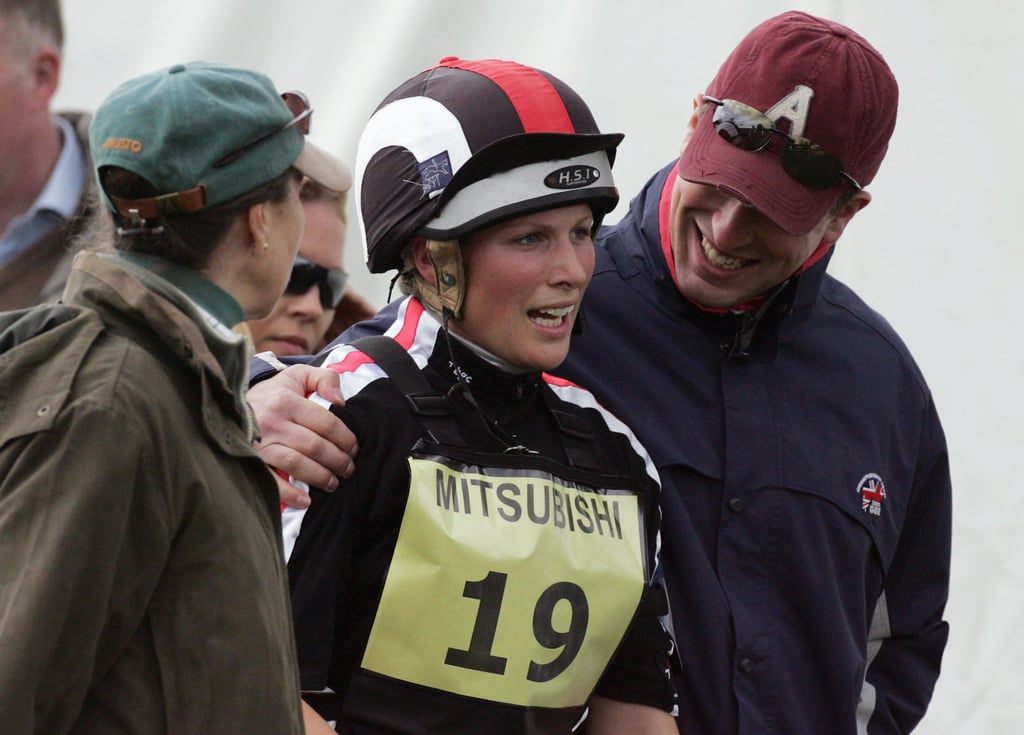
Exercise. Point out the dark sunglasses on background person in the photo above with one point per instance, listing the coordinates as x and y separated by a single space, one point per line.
750 129
306 274
302 114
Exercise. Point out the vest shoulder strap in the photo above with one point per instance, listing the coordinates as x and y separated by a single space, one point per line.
432 409
436 415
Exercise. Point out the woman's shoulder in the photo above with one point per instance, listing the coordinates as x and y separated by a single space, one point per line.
609 429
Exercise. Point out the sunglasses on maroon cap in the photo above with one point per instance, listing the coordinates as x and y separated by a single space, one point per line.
306 274
302 113
751 130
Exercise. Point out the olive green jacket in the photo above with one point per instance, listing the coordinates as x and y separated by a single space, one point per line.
142 583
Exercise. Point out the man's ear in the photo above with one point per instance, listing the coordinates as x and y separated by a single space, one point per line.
842 217
691 124
45 71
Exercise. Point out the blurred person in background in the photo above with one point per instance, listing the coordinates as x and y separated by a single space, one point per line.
317 303
45 181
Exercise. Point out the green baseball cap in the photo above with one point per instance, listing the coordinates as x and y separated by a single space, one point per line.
204 133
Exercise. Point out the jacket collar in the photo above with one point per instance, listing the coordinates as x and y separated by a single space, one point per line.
499 392
122 291
208 296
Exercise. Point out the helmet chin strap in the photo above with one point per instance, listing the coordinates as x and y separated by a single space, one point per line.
445 297
449 287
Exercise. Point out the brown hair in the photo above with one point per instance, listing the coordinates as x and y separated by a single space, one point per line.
187 238
314 191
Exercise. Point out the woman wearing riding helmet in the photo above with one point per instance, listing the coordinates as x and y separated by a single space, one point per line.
488 568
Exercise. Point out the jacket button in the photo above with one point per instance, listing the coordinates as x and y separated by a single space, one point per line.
746 665
736 505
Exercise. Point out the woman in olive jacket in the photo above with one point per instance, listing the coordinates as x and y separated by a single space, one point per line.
142 587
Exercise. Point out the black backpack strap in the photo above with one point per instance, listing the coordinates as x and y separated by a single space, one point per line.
436 414
432 409
577 434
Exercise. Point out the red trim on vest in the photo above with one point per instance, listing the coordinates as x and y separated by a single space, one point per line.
557 381
411 322
405 338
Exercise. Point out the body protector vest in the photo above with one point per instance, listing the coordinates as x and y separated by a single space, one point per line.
524 572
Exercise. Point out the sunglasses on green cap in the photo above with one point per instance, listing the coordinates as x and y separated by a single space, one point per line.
298 103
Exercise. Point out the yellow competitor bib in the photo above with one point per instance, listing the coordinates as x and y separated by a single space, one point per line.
512 586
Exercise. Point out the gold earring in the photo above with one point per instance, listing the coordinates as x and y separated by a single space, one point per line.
266 246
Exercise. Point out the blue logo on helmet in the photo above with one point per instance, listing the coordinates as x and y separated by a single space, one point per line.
435 174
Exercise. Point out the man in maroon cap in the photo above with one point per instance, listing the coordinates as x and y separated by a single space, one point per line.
807 499
807 503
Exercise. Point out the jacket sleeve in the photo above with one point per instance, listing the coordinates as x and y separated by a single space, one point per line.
908 634
646 664
265 365
72 522
642 670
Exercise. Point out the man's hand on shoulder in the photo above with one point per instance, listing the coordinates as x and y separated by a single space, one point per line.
299 437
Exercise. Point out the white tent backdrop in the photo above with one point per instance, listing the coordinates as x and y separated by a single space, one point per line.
935 252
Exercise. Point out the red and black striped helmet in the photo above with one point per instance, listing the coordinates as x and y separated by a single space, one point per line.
467 144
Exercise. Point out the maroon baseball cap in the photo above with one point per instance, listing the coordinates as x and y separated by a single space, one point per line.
816 80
